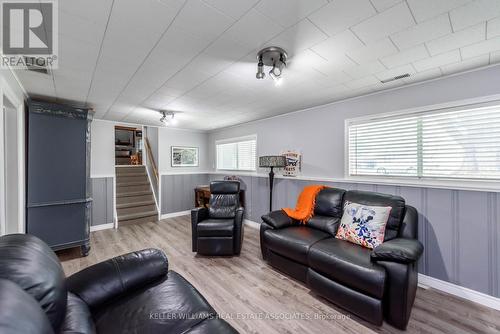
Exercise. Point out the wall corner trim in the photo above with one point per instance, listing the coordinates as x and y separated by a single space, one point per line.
425 281
101 227
175 214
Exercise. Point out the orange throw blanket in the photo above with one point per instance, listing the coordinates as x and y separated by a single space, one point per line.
304 209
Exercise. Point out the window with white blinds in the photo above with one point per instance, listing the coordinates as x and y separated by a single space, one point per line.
237 154
455 143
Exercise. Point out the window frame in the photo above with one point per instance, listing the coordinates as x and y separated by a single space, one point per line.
479 184
232 141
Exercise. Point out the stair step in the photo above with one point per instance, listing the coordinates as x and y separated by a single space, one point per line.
144 187
134 199
131 183
136 210
130 216
130 169
143 220
132 178
134 193
134 204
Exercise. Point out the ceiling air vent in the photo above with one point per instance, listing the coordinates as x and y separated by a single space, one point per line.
36 64
402 76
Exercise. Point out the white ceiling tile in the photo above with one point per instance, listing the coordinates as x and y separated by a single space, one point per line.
289 12
339 43
465 65
364 70
426 9
234 9
481 48
262 29
406 56
200 19
363 82
306 59
437 61
493 28
422 76
457 40
474 13
382 5
384 24
336 62
394 72
425 31
299 37
91 10
379 49
79 29
495 57
339 15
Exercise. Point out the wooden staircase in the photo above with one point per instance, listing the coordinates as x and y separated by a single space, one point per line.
134 197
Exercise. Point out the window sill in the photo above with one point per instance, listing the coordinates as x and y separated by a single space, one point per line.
470 185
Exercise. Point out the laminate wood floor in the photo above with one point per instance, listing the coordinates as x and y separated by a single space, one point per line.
255 298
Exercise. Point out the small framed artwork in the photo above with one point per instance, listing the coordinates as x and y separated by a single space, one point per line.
184 156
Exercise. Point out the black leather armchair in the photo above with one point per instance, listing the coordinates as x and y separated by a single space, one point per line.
218 230
373 284
132 293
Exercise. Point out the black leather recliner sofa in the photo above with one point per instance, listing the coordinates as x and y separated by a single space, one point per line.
132 293
218 230
373 284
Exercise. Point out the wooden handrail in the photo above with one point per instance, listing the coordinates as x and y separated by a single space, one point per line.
151 158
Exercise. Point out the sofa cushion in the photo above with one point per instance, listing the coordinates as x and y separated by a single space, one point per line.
329 202
22 255
293 242
348 264
397 203
216 228
78 318
172 305
324 223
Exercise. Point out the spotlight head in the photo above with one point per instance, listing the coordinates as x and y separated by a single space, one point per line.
260 70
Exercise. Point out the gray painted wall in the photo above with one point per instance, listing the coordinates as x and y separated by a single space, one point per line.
102 205
177 191
459 229
319 132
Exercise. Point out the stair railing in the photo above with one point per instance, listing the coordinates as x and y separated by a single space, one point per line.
151 159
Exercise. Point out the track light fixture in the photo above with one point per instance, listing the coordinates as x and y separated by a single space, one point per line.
168 117
275 57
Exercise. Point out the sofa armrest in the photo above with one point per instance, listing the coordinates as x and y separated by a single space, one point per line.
238 230
197 215
277 219
401 250
102 282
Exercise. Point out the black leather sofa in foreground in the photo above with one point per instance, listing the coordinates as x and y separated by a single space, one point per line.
373 284
132 293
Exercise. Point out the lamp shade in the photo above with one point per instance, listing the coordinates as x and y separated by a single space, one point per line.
272 161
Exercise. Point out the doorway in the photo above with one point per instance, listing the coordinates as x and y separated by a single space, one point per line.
128 146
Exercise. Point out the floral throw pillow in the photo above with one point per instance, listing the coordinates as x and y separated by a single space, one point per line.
363 225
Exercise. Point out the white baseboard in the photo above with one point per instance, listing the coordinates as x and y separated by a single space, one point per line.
175 214
101 227
251 224
459 291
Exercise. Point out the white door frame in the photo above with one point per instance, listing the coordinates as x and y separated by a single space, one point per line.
7 93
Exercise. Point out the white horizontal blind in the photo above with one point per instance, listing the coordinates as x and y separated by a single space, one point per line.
237 155
456 144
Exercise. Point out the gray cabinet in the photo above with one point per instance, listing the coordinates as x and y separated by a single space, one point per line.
58 175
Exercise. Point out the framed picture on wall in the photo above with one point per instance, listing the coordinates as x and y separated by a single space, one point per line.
184 156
